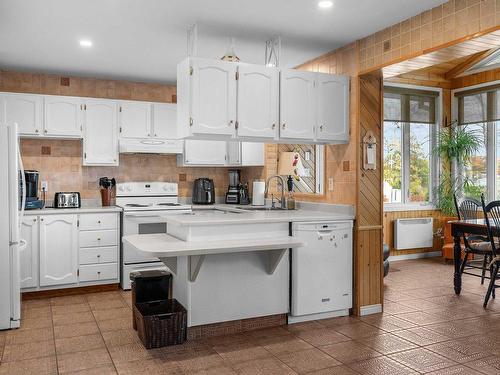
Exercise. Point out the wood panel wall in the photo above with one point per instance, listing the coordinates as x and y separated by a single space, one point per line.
475 79
368 256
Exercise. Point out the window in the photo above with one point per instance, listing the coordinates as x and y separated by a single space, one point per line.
409 135
478 112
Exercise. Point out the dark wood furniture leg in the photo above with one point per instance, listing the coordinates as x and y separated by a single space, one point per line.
457 250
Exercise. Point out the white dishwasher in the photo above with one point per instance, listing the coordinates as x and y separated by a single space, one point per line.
321 277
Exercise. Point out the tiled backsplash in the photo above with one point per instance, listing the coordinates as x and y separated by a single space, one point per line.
60 164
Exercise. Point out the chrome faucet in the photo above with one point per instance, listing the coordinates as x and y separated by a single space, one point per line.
282 182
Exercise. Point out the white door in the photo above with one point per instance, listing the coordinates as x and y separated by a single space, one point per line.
297 104
165 120
135 120
257 106
58 249
333 108
63 116
233 153
26 111
100 139
28 257
252 154
213 97
197 152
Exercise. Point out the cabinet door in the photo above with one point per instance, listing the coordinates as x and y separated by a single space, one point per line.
100 139
164 120
333 108
252 154
135 120
213 97
26 111
297 104
257 103
233 153
198 152
58 250
28 258
63 116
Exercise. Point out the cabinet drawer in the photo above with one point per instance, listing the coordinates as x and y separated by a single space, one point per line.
95 255
98 238
98 221
96 272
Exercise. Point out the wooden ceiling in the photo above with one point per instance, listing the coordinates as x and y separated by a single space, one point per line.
457 56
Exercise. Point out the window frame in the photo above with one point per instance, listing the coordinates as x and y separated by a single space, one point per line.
491 139
405 204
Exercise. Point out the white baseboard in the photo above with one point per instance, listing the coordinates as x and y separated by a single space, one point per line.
306 318
431 254
370 309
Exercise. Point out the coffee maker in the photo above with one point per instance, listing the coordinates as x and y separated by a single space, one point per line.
32 201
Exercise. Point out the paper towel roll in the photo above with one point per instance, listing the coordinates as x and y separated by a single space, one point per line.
258 193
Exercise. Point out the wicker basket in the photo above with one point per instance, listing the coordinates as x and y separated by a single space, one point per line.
161 323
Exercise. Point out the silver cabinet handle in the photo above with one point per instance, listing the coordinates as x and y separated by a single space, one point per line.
274 126
283 126
321 128
230 123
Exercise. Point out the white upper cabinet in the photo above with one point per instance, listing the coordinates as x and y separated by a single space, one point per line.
135 119
252 154
164 120
25 110
63 116
28 258
58 250
297 104
257 101
233 153
100 141
211 99
333 108
200 152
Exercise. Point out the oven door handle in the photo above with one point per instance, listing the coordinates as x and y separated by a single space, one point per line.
140 216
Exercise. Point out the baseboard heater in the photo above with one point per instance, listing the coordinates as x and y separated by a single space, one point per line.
414 233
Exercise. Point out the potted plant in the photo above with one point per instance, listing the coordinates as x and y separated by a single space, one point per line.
456 145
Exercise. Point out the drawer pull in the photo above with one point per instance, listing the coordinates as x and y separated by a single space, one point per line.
98 272
98 221
98 239
98 255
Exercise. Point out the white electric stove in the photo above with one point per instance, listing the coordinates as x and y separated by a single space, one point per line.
145 205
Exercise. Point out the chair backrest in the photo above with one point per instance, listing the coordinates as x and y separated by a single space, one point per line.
467 208
492 218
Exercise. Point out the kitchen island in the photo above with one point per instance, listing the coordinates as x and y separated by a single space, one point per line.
230 262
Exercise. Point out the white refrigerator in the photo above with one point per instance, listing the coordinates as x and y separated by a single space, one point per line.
11 212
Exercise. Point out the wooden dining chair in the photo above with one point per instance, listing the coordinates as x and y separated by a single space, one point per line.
492 218
468 209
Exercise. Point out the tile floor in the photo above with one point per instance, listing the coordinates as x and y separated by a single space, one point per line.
425 329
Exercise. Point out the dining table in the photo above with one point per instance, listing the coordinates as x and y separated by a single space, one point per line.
459 228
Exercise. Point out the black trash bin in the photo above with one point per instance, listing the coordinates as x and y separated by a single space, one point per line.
148 286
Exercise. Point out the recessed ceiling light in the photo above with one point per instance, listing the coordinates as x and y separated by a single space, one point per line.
86 43
325 4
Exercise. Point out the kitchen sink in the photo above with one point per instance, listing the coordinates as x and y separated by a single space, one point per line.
261 208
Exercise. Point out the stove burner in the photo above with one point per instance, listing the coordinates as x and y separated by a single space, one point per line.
136 205
168 204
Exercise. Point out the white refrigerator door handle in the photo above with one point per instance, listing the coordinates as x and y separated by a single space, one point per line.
23 178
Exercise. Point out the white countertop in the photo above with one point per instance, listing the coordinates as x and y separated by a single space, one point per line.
163 245
230 214
83 210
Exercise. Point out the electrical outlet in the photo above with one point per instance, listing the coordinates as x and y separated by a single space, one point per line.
330 184
45 186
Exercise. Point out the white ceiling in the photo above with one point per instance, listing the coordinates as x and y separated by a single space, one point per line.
143 40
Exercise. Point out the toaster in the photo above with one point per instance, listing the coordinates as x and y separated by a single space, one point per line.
67 200
203 191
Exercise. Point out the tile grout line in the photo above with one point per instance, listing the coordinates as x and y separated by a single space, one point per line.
54 336
100 332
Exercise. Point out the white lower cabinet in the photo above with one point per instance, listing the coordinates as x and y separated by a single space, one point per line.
28 258
69 250
58 250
